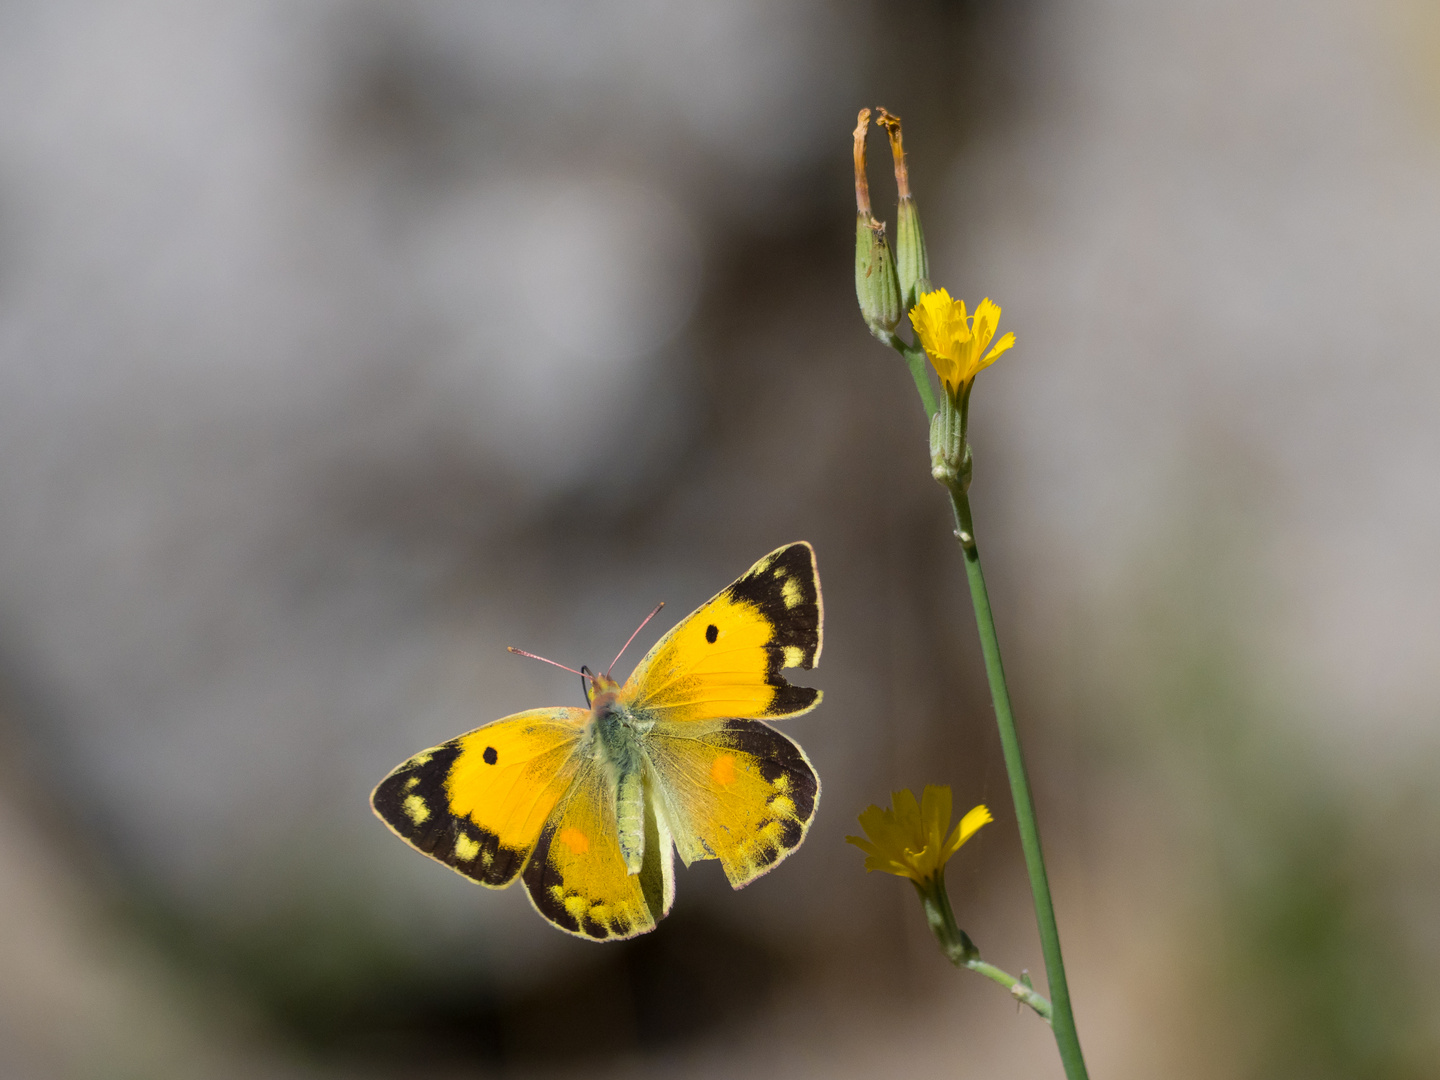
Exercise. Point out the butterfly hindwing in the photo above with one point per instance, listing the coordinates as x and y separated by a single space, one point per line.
735 790
725 659
577 877
478 803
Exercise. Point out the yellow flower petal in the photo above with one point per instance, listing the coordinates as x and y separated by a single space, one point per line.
1005 343
987 318
968 827
940 324
907 810
935 805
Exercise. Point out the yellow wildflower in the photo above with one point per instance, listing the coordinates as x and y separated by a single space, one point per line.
909 840
955 341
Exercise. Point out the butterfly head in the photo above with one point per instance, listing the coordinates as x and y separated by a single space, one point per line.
602 689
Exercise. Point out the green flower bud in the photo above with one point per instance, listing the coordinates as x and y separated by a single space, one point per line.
876 285
912 264
912 261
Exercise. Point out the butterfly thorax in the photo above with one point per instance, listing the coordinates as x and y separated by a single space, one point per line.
618 731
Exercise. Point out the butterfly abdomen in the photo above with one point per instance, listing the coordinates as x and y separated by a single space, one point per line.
630 819
618 732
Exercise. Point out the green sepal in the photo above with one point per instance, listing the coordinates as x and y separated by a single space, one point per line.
948 452
954 942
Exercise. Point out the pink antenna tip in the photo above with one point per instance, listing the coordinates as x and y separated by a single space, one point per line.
562 667
632 638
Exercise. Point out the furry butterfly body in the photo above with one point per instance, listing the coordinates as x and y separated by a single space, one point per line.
587 806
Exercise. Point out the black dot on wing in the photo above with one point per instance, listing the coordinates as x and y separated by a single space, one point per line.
490 756
711 633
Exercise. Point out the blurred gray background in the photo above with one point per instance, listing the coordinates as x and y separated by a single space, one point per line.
343 344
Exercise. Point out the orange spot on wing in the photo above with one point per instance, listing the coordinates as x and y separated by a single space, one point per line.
722 770
575 840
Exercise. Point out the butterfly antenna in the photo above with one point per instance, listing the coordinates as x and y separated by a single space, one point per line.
632 638
562 667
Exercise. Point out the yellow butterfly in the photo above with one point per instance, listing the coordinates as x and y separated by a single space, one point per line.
585 805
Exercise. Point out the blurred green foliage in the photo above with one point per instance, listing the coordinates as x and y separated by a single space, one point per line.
1299 852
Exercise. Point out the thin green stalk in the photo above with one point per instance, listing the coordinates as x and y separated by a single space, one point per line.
919 370
1057 1010
1018 990
1062 1020
961 951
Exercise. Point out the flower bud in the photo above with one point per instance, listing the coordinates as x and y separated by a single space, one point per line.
912 262
876 286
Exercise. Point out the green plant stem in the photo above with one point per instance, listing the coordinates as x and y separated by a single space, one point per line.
919 366
920 372
1062 1020
1018 990
961 951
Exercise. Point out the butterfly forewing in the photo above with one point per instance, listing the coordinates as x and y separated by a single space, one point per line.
725 659
478 803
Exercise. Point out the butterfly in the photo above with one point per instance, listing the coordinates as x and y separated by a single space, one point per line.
588 806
